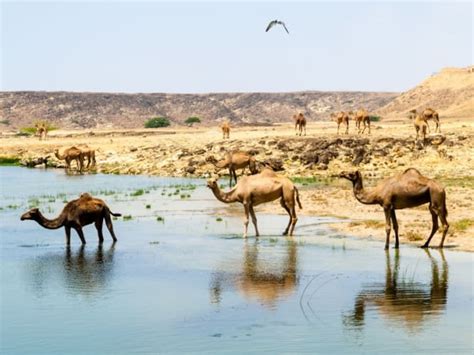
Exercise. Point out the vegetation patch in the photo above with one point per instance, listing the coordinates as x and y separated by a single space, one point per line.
138 192
148 206
157 122
160 219
127 217
191 120
218 219
8 161
374 118
368 223
414 236
462 224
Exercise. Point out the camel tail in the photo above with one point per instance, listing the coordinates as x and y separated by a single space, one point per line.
298 199
114 214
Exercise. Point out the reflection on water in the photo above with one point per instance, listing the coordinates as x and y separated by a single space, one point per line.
260 280
79 271
401 300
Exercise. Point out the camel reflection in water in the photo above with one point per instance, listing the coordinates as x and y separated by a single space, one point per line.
81 272
258 280
403 301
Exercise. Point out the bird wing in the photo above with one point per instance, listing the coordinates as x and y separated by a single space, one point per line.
270 25
286 29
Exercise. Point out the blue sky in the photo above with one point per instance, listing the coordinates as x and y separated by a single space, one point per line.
191 47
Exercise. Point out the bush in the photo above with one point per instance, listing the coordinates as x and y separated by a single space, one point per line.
374 118
157 122
190 120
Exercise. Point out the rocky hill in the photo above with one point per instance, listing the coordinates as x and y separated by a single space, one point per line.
450 92
112 110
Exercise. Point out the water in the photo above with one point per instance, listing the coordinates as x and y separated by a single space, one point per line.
192 284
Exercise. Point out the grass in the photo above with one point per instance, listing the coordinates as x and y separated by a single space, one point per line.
34 202
414 236
368 223
138 192
148 206
6 122
462 225
8 161
160 219
127 217
218 219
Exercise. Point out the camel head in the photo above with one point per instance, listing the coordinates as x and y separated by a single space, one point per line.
212 183
31 214
352 176
412 114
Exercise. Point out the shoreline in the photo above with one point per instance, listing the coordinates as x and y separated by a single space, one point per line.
312 162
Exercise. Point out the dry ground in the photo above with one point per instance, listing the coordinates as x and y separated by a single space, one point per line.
161 152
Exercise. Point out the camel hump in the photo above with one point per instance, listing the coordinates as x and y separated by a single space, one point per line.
411 170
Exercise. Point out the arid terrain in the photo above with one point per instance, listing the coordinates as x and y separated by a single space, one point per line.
313 161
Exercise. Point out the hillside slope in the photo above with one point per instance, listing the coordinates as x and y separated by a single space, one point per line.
111 110
450 92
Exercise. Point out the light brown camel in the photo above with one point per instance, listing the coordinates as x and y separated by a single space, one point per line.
225 129
234 161
341 117
406 190
262 278
69 155
76 214
300 124
41 130
257 189
361 117
420 123
88 154
430 114
402 300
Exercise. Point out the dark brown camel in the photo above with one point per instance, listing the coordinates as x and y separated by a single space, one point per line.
76 214
406 190
300 124
234 161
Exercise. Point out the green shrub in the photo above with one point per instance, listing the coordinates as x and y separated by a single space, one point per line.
157 122
6 122
374 118
9 161
191 120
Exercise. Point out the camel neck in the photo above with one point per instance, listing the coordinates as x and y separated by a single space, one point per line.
226 197
362 195
51 223
58 156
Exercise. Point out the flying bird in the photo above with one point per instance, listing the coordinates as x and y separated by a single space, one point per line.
276 22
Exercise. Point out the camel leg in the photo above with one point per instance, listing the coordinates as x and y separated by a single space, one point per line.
347 128
246 219
387 226
294 219
98 226
254 220
230 174
235 175
110 227
305 130
395 227
68 235
368 125
338 128
434 229
80 233
283 204
442 216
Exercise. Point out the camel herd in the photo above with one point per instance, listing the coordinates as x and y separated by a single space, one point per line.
406 190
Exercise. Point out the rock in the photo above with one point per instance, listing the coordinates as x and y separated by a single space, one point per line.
359 154
190 169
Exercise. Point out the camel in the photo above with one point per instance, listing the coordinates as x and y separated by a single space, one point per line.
403 300
257 280
341 117
76 214
430 114
41 130
69 155
300 124
362 117
225 129
257 189
234 161
420 123
88 153
406 190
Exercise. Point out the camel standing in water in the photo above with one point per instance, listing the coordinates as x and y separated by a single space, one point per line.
341 117
235 161
300 124
406 190
76 214
225 130
257 189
